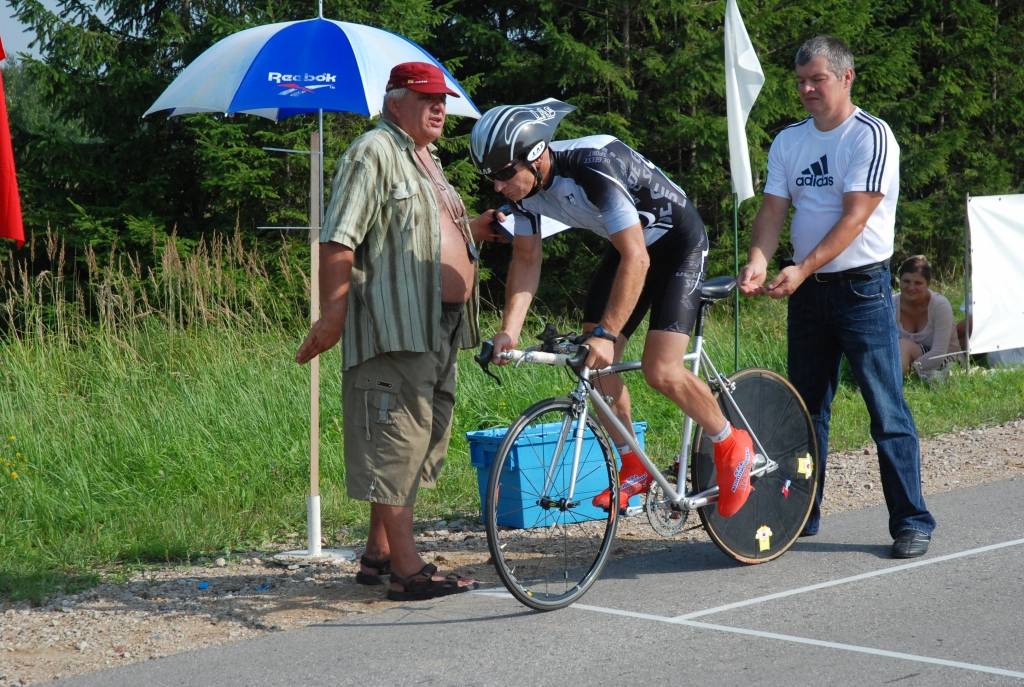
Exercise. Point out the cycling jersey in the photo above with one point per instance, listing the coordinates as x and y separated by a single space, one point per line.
601 184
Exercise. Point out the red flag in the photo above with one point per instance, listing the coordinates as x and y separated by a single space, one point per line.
10 204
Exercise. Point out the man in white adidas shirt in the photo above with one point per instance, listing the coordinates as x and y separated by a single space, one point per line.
839 169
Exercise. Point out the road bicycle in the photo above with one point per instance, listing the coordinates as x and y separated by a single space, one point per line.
549 543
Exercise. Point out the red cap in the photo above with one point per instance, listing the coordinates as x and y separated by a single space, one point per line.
421 77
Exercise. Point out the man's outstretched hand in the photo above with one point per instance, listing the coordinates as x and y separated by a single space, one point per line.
753 275
751 279
786 282
324 334
486 227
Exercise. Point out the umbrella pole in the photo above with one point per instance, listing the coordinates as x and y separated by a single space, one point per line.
316 194
315 198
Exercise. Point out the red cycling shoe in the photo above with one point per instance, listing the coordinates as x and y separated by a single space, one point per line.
633 479
734 459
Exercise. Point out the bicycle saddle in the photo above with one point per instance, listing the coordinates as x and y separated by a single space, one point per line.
717 288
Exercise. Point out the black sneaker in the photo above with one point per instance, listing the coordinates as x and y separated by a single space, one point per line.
910 544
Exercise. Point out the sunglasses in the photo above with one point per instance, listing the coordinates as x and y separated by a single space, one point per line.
503 174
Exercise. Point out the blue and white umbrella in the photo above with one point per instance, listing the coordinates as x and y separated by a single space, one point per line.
299 67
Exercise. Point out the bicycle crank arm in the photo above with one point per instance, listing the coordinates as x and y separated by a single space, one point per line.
762 466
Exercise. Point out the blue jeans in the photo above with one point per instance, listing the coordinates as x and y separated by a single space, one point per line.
853 316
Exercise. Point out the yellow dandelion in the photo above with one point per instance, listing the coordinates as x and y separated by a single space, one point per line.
12 438
14 475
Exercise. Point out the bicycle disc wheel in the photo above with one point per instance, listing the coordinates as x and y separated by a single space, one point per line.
549 548
777 510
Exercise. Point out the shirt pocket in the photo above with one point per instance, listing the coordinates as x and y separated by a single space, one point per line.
380 397
403 190
403 201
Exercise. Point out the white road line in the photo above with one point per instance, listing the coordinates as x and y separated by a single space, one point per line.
847 580
855 648
687 619
626 614
497 592
804 640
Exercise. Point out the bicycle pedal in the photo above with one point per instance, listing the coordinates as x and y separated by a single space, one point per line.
632 510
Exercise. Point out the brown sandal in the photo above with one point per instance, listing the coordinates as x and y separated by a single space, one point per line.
422 585
382 566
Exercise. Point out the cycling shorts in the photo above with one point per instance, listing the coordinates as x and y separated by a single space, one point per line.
671 290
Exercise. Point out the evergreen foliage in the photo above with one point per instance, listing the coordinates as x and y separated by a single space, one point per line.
945 74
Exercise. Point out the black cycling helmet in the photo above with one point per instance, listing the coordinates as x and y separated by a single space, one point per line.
507 133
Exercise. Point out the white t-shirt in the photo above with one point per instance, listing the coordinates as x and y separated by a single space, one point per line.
813 169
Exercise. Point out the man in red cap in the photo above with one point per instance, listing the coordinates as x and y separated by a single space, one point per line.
398 278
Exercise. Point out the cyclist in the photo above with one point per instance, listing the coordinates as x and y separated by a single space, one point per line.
655 262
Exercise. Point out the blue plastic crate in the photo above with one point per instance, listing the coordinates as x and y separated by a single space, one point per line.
530 456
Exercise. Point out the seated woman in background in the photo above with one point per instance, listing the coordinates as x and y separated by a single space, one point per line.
924 319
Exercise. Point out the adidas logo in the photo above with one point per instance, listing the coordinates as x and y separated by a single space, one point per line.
816 174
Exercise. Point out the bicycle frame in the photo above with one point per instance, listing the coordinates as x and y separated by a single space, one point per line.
585 392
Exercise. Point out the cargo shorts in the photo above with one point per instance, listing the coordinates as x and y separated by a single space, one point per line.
397 411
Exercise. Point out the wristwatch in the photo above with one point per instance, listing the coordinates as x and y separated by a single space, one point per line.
602 333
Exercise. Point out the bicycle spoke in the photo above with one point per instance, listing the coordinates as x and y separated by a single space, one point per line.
547 549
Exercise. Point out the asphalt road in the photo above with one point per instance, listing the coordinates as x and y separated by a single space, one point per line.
835 610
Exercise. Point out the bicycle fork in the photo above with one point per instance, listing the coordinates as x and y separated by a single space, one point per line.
579 417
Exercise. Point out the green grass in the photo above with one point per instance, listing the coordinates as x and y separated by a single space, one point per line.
163 445
154 430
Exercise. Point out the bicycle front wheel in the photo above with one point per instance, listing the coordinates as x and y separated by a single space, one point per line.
547 540
780 503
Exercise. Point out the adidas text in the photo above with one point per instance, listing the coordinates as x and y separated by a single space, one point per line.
815 181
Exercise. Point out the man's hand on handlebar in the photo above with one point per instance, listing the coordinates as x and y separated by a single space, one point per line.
602 352
573 355
502 342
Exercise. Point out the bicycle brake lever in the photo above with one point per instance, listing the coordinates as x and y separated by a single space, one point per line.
483 359
549 334
577 361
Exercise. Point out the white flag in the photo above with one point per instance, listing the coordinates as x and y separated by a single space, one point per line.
743 81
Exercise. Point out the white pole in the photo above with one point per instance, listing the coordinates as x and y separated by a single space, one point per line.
316 194
313 523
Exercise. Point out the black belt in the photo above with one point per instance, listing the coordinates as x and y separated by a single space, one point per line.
852 274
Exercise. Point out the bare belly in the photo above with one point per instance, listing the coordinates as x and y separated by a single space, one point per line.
458 272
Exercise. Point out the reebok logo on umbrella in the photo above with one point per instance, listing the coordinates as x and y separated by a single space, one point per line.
278 77
294 89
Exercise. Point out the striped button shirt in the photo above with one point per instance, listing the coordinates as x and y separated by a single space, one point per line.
383 206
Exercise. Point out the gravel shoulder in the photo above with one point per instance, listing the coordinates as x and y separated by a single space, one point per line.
167 610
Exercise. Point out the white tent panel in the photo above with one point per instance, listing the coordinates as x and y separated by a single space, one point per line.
997 272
